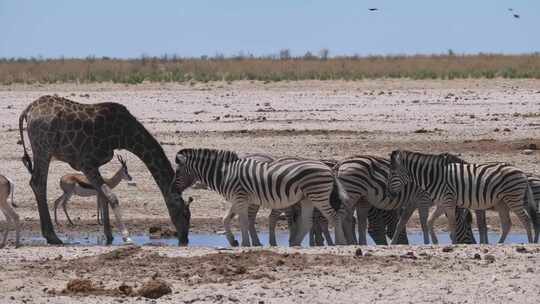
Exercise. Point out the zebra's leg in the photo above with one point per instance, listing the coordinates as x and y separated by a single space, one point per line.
464 234
423 213
506 222
482 226
403 219
326 231
348 227
354 239
227 226
377 226
450 211
306 222
272 220
431 223
362 210
243 216
252 216
293 218
391 220
524 218
317 228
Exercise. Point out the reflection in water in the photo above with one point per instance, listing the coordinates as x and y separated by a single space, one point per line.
216 240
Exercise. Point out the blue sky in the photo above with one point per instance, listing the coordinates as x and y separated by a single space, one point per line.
122 28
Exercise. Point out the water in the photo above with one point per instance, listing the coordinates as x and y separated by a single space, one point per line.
218 240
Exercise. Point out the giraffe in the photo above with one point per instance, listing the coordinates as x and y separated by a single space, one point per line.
85 136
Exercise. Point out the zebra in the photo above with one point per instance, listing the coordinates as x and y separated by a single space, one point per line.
473 186
534 183
292 213
365 180
273 185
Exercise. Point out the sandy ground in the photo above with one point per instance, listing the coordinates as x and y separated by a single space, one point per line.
483 120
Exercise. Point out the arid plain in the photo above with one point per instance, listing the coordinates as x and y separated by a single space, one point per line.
482 120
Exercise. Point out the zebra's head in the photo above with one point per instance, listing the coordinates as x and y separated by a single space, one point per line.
183 178
398 176
200 165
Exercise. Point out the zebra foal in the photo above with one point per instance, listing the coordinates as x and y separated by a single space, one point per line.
473 186
275 185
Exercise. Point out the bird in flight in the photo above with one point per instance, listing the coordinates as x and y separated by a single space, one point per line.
373 9
513 13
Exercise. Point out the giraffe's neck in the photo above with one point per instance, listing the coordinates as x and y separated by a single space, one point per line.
146 147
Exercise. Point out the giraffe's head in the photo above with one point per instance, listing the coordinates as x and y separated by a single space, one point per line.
182 214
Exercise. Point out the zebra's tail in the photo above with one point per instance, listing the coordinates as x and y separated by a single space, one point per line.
533 212
339 196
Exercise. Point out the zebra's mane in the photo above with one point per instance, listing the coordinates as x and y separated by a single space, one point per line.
210 154
448 157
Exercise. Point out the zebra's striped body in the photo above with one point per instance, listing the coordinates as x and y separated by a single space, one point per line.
365 180
473 186
534 210
275 185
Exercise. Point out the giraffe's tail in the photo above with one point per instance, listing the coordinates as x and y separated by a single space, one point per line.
27 161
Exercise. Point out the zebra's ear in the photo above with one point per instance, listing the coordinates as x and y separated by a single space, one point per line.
395 158
180 159
189 201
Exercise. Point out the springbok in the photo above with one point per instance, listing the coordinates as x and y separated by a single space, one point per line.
7 187
78 184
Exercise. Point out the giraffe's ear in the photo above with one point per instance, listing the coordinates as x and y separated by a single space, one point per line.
180 159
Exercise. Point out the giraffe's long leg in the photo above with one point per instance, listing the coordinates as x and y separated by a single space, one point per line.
38 182
106 221
93 175
99 212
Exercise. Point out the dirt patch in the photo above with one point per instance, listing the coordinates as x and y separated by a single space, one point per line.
86 287
127 264
154 289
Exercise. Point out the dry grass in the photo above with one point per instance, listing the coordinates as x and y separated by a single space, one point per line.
167 69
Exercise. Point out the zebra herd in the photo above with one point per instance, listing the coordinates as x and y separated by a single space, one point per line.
354 186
